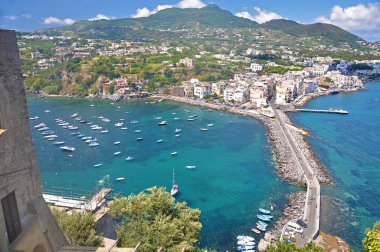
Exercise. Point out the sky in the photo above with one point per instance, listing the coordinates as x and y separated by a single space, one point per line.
359 17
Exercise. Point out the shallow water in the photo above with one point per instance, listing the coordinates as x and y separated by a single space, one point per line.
234 173
349 146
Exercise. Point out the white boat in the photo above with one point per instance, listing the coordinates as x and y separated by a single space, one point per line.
118 125
67 148
51 136
106 120
117 153
120 179
34 118
116 143
190 167
72 127
173 153
158 118
47 111
58 143
75 133
97 128
93 144
159 140
139 139
174 113
74 115
129 158
91 140
163 123
104 131
177 130
98 165
255 230
176 118
177 135
204 129
175 188
210 125
245 237
86 137
137 131
134 121
264 211
123 128
190 119
43 128
245 243
187 111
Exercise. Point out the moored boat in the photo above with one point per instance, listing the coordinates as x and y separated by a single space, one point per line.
190 167
117 153
129 158
116 143
120 179
173 153
159 140
204 129
255 230
139 139
98 165
58 143
175 187
163 123
67 148
264 211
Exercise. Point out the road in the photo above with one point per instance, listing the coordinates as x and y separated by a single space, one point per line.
312 205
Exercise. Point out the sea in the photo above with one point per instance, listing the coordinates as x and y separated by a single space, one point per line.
349 147
234 171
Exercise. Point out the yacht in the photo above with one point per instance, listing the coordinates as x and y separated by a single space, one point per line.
177 135
67 148
123 128
104 131
210 125
158 118
255 230
93 144
98 165
137 131
58 142
34 118
173 153
174 189
160 141
116 143
190 167
51 136
204 129
163 123
177 130
118 125
117 153
190 119
139 139
120 179
74 115
129 158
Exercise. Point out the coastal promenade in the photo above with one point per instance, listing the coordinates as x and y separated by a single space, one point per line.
312 204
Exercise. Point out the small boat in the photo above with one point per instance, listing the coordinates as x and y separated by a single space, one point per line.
262 223
106 120
118 125
123 128
97 128
264 211
134 121
176 118
117 153
158 118
72 127
91 140
137 131
43 128
40 125
47 132
80 136
210 125
51 136
34 118
92 105
190 167
93 144
204 129
175 188
263 217
245 237
173 153
116 143
139 139
75 133
163 123
58 143
177 130
244 248
86 137
98 165
47 111
129 158
83 121
104 131
74 115
160 141
174 113
255 230
246 243
120 179
67 148
190 119
187 111
177 135
261 228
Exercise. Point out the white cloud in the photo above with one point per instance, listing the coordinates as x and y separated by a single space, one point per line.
55 20
11 17
261 17
101 17
359 17
183 4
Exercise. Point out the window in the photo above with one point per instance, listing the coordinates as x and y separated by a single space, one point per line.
11 216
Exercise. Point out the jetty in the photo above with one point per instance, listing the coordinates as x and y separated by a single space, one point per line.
328 111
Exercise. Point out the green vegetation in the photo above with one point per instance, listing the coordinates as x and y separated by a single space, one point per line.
280 69
156 220
371 242
291 247
328 79
78 228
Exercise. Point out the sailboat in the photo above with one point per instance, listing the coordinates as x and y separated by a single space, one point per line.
174 189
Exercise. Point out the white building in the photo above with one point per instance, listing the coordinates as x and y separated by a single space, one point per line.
187 62
202 90
256 67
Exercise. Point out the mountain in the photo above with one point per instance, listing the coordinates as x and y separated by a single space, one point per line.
318 30
174 23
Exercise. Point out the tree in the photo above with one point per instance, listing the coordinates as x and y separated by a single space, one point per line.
371 242
78 228
156 220
111 88
291 247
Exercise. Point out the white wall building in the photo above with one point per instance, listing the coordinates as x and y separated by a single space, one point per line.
256 67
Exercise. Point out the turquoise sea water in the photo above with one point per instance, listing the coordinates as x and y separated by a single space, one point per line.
234 173
349 146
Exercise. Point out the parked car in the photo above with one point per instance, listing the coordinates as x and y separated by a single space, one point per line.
302 223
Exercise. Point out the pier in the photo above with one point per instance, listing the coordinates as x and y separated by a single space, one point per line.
328 111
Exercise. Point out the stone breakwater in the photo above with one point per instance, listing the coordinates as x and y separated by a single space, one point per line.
294 210
286 167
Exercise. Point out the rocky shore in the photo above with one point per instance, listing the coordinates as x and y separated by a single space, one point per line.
293 211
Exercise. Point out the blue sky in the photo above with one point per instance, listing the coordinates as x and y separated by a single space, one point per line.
359 17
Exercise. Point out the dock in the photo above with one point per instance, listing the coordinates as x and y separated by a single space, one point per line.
328 111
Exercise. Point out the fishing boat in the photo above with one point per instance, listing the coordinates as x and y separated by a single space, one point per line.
116 143
67 148
255 230
98 165
134 121
210 125
139 139
120 179
204 129
173 153
34 118
163 123
174 189
245 237
58 142
160 141
264 217
129 158
137 131
117 153
264 211
93 144
177 130
190 167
